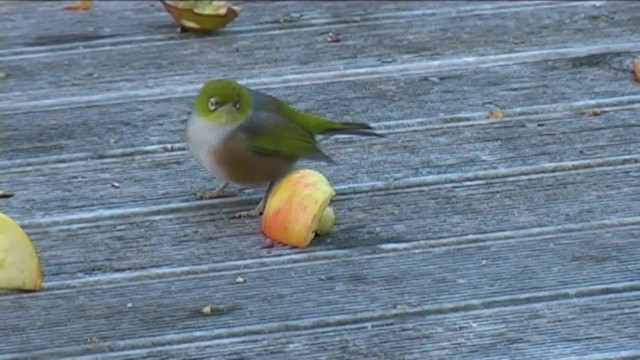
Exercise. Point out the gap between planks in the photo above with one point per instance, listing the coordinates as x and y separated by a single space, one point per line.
235 267
270 29
618 355
197 338
533 113
386 324
515 173
270 80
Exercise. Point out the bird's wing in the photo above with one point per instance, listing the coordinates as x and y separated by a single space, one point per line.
270 134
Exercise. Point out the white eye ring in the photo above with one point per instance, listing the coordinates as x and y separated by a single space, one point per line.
213 104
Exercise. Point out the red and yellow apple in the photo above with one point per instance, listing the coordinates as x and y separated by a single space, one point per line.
297 209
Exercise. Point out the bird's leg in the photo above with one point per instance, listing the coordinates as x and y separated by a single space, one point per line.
220 191
258 209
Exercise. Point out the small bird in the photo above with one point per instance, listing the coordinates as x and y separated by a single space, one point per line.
250 138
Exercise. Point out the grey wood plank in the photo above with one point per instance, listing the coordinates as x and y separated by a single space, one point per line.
457 237
160 178
323 293
439 100
198 234
277 57
604 327
429 67
146 21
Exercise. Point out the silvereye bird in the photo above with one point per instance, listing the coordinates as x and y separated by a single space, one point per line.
249 138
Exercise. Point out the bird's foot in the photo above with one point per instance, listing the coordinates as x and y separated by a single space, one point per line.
221 191
251 213
257 211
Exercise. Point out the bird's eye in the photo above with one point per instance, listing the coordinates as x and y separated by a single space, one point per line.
236 104
213 104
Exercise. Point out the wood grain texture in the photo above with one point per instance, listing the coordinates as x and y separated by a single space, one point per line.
191 234
444 99
274 298
412 152
501 332
458 237
379 46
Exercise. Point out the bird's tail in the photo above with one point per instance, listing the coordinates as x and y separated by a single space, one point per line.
349 128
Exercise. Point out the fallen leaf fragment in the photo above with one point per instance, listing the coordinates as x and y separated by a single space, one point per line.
201 16
635 67
387 87
81 5
298 208
5 194
291 17
592 112
495 114
268 243
19 263
207 310
333 38
214 309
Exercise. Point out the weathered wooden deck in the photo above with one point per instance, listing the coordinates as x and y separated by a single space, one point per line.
459 237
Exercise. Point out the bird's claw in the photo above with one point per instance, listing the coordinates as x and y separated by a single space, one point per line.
245 214
257 211
217 193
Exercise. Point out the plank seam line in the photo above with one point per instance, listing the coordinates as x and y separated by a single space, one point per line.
196 338
293 260
115 43
352 189
535 112
159 92
617 355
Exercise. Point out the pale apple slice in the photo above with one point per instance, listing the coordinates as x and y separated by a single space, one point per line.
201 16
19 263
